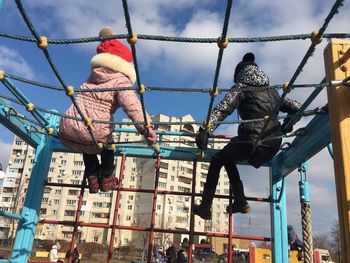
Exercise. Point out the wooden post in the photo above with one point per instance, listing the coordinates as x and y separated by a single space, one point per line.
337 65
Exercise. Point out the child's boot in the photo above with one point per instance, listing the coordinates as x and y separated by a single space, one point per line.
204 209
108 181
240 204
93 180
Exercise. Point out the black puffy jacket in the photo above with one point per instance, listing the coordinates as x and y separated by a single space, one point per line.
252 104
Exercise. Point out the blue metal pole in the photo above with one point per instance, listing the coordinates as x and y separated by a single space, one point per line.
21 97
11 215
278 210
304 186
26 231
330 149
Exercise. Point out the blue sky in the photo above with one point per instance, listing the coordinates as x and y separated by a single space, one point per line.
169 64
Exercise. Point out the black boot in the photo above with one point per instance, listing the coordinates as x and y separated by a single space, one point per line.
240 204
204 209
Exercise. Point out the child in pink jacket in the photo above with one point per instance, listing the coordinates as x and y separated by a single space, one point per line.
111 68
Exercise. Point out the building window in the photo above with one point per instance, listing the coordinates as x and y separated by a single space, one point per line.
58 191
63 162
76 172
45 200
95 239
183 189
56 201
71 202
69 212
73 192
54 212
67 234
128 218
161 184
129 207
53 160
130 197
8 199
47 190
43 211
60 181
78 163
159 207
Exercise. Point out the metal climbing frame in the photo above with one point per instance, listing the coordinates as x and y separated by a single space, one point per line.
28 219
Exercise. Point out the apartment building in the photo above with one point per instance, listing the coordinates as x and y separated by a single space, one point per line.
60 203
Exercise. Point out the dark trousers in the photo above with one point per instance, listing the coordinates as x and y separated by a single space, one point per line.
235 151
92 163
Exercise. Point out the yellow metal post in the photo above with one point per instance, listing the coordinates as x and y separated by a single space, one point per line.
337 65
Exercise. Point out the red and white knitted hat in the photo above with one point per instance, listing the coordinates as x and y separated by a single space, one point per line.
114 55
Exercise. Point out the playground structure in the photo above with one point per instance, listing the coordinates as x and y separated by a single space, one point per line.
319 133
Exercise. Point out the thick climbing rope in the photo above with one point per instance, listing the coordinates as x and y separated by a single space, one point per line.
316 38
176 39
307 232
306 217
222 44
25 102
132 39
306 113
321 85
42 44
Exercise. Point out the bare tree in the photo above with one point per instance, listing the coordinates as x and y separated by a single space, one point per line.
321 241
335 247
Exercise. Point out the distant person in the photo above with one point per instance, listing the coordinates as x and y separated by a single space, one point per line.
181 256
111 68
171 253
53 255
75 254
294 242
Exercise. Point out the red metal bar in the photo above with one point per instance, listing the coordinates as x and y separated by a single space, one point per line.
77 217
189 249
252 251
158 230
163 192
116 208
230 229
151 234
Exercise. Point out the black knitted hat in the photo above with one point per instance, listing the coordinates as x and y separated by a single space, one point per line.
248 59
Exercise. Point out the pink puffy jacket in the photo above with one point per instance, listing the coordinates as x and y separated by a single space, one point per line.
99 106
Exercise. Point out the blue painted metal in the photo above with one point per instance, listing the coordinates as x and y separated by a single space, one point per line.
26 231
330 149
11 216
8 261
296 117
18 126
128 130
303 148
1 2
304 186
21 97
278 210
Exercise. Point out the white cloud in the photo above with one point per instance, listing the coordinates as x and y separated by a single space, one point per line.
12 61
4 153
